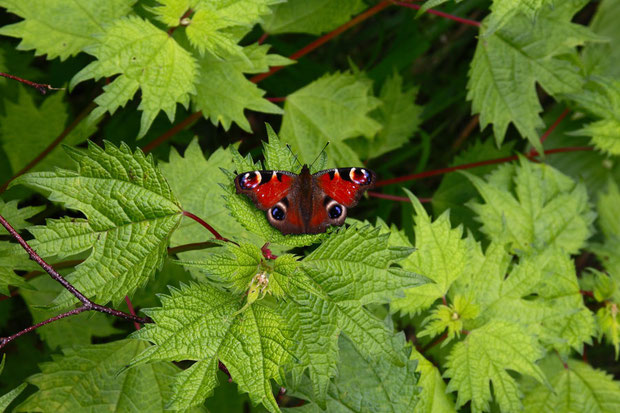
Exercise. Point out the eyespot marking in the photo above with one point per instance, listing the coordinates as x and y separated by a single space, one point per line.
250 180
359 176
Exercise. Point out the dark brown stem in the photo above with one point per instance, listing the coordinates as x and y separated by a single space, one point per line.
87 305
41 87
51 146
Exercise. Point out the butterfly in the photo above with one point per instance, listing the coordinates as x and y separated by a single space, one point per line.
305 203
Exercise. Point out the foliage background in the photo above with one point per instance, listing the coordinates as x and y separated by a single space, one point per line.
524 257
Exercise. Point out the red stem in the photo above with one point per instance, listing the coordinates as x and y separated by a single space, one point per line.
440 13
279 99
132 311
551 128
212 230
475 164
41 87
396 197
263 37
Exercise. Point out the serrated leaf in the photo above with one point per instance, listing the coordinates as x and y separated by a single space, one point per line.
484 358
365 385
441 256
508 64
193 385
398 115
27 129
433 397
130 212
62 28
353 267
609 325
218 26
601 97
71 331
532 206
575 389
13 258
197 322
146 58
504 10
311 16
93 378
7 399
333 108
223 93
17 216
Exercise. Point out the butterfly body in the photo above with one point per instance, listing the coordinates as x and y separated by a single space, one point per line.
305 203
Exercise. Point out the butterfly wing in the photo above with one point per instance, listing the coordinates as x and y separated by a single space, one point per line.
345 185
272 191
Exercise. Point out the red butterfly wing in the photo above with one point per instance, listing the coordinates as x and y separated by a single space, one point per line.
265 188
345 185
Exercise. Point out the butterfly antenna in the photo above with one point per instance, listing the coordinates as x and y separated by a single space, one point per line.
292 153
319 155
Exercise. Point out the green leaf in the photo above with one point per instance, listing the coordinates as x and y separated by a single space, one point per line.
352 268
531 206
503 10
13 258
196 322
604 58
609 325
71 331
17 216
130 212
484 357
433 397
577 388
93 378
441 256
62 28
508 64
218 26
365 385
311 16
608 254
26 130
146 58
607 208
398 114
601 98
333 108
223 92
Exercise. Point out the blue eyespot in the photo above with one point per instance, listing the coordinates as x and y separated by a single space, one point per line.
277 213
335 212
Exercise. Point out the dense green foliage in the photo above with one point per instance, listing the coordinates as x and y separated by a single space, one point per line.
503 296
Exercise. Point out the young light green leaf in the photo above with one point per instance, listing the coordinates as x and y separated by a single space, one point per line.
146 58
71 331
62 28
223 92
508 64
384 387
196 322
217 27
433 397
609 325
93 378
541 208
484 357
601 97
399 116
27 129
311 16
333 108
130 212
441 256
577 388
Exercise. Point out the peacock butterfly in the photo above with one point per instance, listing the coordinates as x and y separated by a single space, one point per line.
305 203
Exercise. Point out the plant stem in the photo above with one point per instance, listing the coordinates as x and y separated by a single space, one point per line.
396 197
207 226
439 13
41 87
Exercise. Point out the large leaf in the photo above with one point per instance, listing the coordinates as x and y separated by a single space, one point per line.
93 378
130 212
603 59
7 399
530 206
62 28
333 108
509 63
146 58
